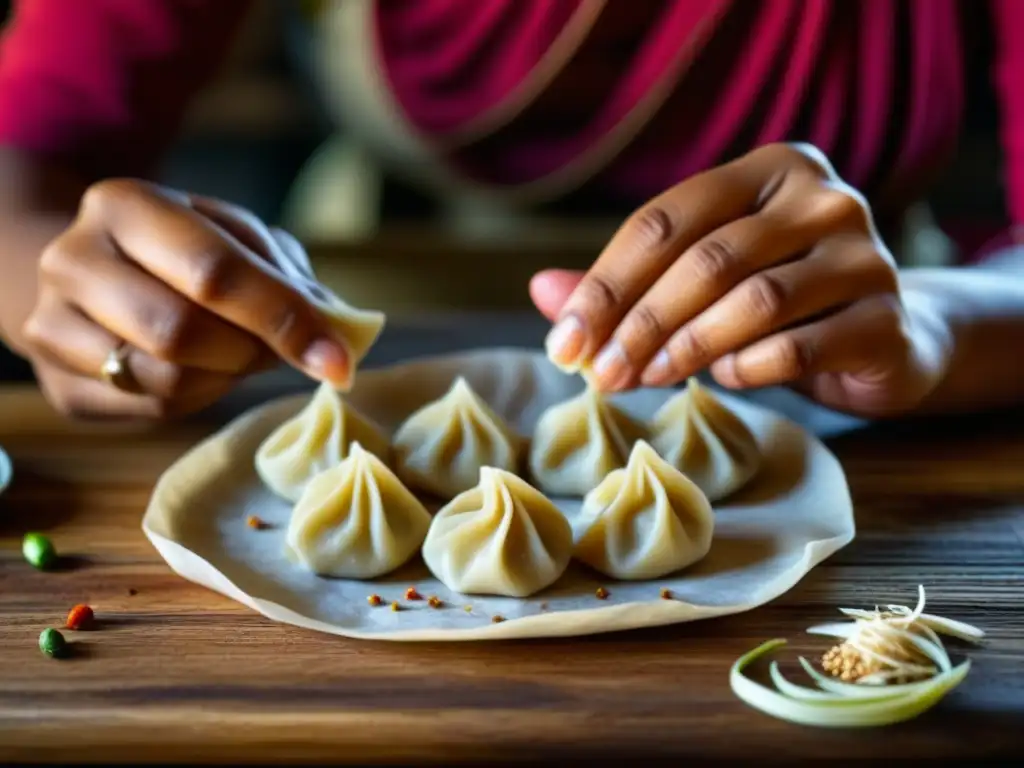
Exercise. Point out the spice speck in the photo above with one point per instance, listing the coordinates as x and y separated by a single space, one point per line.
396 607
374 600
256 522
412 594
666 594
497 619
435 602
80 617
132 592
602 593
467 608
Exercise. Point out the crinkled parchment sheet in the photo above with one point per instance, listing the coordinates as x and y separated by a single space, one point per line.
796 513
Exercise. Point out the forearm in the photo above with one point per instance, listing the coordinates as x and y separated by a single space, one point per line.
38 201
977 315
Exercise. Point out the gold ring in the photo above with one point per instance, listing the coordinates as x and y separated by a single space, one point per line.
115 367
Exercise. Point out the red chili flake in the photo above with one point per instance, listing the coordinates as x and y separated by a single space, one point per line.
435 602
396 607
497 619
602 593
80 617
256 522
666 594
374 600
412 594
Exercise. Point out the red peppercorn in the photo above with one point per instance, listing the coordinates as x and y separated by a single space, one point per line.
412 594
374 600
80 617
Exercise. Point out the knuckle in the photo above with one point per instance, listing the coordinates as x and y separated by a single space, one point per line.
689 347
765 297
793 358
166 328
643 329
282 324
56 260
213 276
650 227
712 261
104 198
842 206
599 293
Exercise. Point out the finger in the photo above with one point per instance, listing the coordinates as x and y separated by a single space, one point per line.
551 288
862 338
83 398
141 310
799 216
207 265
837 273
649 241
73 342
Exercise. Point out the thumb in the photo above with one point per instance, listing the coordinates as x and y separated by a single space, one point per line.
551 288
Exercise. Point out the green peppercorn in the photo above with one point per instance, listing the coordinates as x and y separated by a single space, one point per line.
52 643
38 550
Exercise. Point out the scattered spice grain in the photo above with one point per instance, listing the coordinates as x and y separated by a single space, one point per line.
257 523
602 593
497 619
435 602
396 607
412 594
666 594
374 600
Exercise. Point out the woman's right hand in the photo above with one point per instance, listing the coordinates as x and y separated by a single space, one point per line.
180 288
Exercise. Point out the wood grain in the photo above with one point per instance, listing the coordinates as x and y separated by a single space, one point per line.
176 672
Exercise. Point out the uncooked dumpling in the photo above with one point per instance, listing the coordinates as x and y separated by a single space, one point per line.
503 537
644 521
577 442
356 520
696 433
316 439
441 447
359 328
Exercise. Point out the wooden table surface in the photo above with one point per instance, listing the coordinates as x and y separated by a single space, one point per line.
179 673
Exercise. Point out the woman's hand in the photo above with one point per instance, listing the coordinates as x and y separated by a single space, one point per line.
770 271
177 284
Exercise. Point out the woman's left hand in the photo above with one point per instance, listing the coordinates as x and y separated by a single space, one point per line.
768 270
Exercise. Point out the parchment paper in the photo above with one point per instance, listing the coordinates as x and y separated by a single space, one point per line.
796 513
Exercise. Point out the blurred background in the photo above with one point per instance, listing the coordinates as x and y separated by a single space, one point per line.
271 135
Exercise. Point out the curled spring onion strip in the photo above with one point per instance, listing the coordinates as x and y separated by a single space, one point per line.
894 645
834 714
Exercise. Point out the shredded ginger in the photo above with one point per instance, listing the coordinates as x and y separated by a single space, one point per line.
890 666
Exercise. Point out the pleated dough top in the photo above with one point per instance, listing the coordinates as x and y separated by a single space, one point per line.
316 439
356 520
442 447
696 433
644 521
502 537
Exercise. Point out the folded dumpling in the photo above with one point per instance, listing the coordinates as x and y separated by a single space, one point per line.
579 441
315 439
644 521
359 328
696 433
356 520
503 537
441 447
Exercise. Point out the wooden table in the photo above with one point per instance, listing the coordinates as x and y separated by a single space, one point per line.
177 672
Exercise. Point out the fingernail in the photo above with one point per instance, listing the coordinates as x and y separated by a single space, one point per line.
611 367
326 359
659 372
565 341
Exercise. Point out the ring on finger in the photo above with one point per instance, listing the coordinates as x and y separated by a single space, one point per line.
114 370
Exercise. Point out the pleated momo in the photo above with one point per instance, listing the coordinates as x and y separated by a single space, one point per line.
316 439
644 521
502 537
698 435
441 447
579 441
356 520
